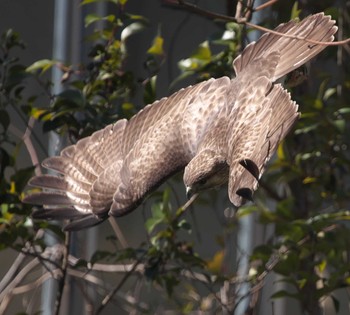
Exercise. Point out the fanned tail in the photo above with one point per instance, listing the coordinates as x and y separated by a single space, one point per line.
294 52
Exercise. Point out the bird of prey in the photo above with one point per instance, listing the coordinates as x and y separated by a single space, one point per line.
218 131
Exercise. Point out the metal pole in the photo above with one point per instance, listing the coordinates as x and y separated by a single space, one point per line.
246 232
58 53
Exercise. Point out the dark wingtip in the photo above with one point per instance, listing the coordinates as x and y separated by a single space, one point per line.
245 193
83 223
56 213
251 167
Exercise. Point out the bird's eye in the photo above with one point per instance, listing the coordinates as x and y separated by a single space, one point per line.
202 181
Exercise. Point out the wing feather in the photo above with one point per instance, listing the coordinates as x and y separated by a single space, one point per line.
295 51
270 125
170 143
111 172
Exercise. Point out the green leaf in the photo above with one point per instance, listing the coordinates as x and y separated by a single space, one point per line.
306 129
92 18
21 177
246 210
295 11
157 46
283 293
201 57
328 93
339 124
150 90
262 252
344 110
158 216
100 255
151 223
132 29
170 282
42 65
183 224
69 98
203 52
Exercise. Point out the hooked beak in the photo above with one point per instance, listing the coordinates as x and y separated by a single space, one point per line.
189 192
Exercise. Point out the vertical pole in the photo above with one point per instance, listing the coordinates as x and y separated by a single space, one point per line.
58 53
246 232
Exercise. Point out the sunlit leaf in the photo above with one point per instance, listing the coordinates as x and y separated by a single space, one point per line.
37 112
42 65
295 11
280 152
246 210
215 264
92 18
157 46
322 265
132 29
339 124
328 93
307 129
344 110
308 180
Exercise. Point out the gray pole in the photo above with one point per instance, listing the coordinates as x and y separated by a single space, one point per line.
58 53
247 227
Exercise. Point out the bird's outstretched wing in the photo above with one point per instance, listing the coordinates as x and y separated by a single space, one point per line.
169 143
110 172
262 117
263 113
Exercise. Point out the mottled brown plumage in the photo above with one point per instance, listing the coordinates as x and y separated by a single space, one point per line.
219 130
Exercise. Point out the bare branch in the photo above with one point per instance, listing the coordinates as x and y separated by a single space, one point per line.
35 284
311 41
217 16
62 279
12 271
110 295
118 232
182 209
6 295
265 5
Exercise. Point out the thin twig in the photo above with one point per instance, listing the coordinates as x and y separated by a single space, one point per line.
12 271
211 15
36 283
30 147
110 295
118 232
311 41
189 202
62 280
265 5
6 295
143 307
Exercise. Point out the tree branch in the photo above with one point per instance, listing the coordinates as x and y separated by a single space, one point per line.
243 20
62 279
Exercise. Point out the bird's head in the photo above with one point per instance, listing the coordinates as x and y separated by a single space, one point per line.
208 169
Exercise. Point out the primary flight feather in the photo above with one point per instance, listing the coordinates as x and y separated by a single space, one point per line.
217 131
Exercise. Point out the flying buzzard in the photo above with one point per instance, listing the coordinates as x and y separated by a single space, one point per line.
218 131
